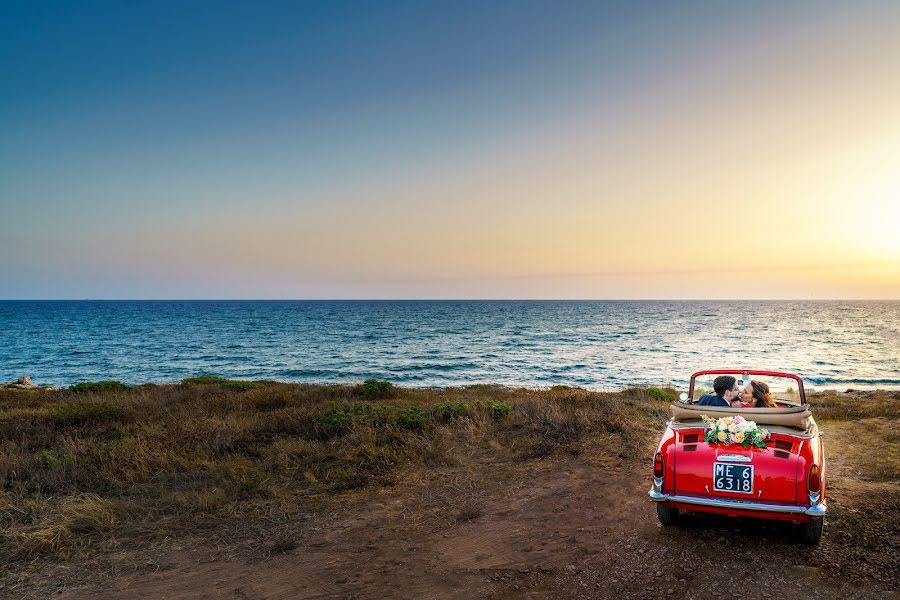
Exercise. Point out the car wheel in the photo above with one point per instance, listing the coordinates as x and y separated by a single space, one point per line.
811 532
667 516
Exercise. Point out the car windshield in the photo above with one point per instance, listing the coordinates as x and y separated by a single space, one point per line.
784 390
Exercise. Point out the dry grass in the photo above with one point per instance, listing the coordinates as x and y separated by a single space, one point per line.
855 405
88 473
869 448
103 465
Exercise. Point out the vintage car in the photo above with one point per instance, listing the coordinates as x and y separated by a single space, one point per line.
782 477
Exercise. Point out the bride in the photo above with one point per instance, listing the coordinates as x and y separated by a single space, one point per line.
756 394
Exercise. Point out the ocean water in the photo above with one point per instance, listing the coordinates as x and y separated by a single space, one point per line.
593 344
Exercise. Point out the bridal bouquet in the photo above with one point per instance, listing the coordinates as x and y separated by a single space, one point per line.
735 430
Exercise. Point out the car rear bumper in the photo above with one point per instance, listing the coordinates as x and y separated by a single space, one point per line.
817 510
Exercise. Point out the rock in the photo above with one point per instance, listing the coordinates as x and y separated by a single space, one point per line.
22 383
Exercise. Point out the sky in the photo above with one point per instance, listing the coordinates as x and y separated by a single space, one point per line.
507 149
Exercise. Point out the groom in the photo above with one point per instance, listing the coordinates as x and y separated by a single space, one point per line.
726 389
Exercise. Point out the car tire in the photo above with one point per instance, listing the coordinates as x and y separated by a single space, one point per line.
667 516
811 532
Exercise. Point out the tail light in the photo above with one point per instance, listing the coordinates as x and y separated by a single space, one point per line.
814 480
814 484
658 466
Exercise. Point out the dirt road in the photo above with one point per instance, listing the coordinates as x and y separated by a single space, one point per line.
559 527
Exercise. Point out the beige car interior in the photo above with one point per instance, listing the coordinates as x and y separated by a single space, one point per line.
794 420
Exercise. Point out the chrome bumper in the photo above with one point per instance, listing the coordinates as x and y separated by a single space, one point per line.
817 510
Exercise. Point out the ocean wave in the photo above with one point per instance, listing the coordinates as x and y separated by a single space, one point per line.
432 366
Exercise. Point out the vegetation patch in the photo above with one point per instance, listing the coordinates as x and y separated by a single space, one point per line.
84 413
411 418
499 409
231 384
241 385
204 380
406 417
445 412
373 389
335 424
93 477
661 394
99 386
49 459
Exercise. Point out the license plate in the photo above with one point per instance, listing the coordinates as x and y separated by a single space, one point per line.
733 478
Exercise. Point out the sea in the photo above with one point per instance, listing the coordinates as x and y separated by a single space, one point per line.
602 345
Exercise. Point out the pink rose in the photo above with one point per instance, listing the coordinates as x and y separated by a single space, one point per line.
738 420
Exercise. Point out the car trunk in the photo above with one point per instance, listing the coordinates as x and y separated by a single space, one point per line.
773 474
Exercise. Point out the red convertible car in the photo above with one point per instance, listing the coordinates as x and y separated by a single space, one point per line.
767 462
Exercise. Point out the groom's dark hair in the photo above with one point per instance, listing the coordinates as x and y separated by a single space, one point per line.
723 383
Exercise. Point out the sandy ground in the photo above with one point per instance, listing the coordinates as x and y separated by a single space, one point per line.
559 527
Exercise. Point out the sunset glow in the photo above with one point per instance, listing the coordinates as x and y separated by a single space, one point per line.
738 151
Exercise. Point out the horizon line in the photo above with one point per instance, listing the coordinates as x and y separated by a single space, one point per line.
784 299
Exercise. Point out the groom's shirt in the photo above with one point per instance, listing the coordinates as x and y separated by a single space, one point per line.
713 400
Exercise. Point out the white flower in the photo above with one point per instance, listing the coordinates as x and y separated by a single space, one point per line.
733 428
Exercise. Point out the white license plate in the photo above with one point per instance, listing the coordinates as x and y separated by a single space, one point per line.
733 478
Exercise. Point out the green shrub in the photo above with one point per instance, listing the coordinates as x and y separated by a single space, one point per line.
499 409
446 411
339 422
99 386
362 411
335 424
49 458
373 389
240 385
231 384
660 394
411 418
83 413
203 380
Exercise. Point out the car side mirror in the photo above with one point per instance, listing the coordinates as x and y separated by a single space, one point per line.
683 397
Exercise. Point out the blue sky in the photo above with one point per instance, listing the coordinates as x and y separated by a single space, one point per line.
421 149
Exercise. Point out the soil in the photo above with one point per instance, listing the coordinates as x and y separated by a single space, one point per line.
564 526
